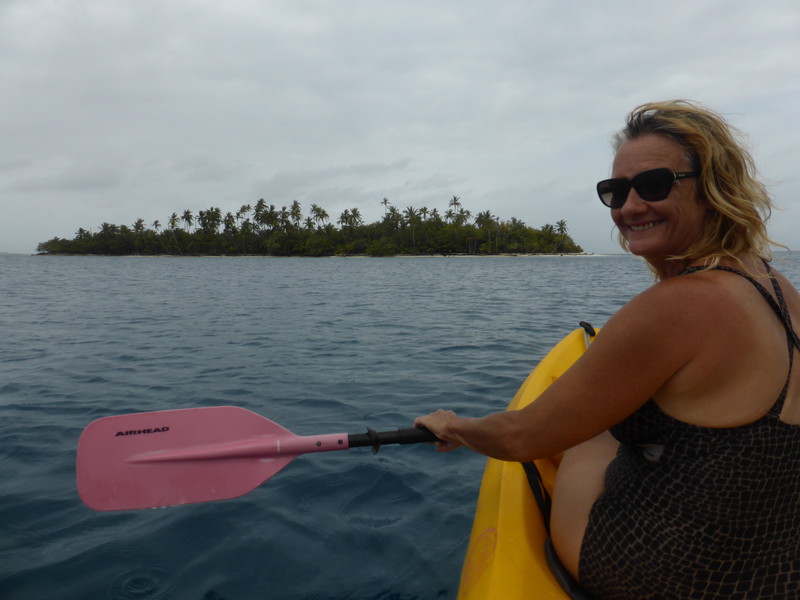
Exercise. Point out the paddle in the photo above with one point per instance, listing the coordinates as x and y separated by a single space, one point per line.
172 457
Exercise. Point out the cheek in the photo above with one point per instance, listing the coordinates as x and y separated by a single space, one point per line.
693 215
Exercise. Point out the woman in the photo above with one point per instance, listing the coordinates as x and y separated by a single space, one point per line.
679 426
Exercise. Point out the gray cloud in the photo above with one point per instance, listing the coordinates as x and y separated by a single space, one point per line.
116 111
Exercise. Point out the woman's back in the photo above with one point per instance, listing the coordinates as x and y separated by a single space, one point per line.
699 511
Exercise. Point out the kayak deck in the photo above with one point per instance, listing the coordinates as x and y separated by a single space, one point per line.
506 554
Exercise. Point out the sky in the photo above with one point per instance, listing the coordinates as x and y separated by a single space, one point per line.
115 110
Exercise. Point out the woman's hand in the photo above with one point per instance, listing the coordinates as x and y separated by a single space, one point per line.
439 423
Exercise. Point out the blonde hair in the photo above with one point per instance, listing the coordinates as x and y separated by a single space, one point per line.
727 180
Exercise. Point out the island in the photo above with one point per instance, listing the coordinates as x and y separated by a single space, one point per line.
265 230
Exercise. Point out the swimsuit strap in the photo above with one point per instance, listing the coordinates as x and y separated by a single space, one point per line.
781 310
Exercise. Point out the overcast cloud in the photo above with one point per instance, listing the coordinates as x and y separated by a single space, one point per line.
114 110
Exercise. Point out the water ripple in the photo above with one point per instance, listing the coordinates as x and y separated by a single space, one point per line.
143 583
320 346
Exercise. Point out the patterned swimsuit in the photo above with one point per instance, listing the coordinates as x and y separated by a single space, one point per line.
693 512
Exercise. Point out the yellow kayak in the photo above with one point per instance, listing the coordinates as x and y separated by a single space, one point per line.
506 554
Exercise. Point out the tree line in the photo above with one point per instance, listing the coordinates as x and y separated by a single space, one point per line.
264 229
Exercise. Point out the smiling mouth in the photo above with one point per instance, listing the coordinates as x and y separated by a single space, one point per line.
644 226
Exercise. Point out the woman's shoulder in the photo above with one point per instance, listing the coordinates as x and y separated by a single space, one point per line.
709 304
680 299
671 321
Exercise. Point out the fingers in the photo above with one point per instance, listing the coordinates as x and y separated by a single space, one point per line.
447 446
438 422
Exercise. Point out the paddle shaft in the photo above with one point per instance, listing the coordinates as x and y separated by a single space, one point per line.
410 435
294 445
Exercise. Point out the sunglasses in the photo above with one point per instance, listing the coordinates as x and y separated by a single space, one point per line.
652 186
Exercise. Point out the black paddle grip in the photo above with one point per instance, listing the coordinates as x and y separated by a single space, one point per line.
411 435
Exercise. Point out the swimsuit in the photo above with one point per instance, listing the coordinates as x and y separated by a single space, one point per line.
692 512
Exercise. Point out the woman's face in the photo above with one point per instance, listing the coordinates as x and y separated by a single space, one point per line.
658 230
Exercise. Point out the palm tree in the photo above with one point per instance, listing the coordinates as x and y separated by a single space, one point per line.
173 226
411 215
320 215
561 231
284 218
268 217
138 229
188 219
484 221
392 218
229 222
386 204
156 225
455 203
210 220
258 212
549 238
296 213
463 216
109 229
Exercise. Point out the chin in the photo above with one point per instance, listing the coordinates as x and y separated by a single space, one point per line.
640 248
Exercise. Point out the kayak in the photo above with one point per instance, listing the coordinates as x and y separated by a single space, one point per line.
506 554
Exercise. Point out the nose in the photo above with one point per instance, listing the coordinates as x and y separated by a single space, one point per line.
633 203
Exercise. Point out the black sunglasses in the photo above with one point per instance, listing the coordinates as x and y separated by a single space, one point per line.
652 186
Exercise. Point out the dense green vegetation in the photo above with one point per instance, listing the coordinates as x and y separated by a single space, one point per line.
266 230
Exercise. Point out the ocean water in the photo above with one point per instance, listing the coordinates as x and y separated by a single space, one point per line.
317 345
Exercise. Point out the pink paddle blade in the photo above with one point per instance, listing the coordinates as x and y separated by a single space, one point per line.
173 457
